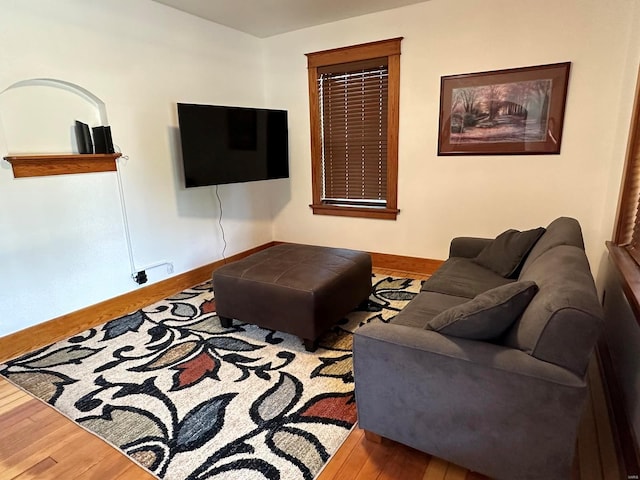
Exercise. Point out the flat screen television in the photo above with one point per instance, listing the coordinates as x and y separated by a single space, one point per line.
222 144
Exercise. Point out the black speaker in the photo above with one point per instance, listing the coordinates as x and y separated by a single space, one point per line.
83 138
102 140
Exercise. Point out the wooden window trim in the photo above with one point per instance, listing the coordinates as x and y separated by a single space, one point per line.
628 194
351 211
383 48
623 256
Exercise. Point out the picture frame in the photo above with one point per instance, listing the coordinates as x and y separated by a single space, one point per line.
518 111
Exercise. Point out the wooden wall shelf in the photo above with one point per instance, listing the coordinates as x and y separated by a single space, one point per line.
61 164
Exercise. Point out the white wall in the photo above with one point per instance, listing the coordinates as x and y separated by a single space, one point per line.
441 197
62 244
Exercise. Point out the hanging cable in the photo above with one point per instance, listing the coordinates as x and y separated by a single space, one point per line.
224 240
125 221
137 274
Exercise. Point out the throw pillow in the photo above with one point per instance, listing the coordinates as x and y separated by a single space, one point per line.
506 254
488 315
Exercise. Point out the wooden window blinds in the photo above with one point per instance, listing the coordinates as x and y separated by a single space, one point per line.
353 112
627 232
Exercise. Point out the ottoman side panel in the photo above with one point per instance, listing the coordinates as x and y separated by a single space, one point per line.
267 305
349 288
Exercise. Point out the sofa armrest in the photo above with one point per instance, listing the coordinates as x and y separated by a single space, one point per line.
478 354
468 247
493 409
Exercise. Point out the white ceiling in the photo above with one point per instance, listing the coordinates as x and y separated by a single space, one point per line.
264 18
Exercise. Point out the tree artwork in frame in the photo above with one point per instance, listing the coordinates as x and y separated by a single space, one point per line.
518 111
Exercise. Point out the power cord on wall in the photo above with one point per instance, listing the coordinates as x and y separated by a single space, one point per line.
224 240
139 275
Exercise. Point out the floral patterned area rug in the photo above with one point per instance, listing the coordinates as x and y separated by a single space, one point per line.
188 399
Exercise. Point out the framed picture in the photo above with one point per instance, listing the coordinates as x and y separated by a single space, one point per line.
504 112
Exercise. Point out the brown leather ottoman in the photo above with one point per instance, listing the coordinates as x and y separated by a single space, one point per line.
297 289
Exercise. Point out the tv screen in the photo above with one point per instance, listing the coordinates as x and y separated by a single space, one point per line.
223 144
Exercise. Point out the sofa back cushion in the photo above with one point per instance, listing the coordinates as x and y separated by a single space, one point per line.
508 251
563 321
562 231
463 277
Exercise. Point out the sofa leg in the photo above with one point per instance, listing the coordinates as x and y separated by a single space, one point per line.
225 322
373 437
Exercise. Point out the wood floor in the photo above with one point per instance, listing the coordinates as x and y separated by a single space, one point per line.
36 442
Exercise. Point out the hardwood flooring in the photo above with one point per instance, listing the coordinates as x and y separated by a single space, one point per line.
37 442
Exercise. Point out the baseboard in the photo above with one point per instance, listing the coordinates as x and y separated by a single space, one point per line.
626 443
421 266
59 328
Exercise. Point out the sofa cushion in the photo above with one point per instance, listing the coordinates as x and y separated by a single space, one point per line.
563 321
562 231
462 277
488 315
506 254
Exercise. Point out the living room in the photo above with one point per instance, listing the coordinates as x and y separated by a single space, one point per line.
141 58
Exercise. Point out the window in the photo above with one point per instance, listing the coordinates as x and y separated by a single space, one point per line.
353 103
627 233
624 250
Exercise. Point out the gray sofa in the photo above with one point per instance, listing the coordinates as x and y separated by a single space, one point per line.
507 405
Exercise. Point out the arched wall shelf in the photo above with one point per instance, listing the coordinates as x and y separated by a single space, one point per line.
65 163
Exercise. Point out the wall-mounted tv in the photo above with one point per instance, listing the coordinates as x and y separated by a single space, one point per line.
222 144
